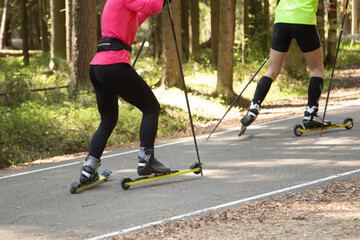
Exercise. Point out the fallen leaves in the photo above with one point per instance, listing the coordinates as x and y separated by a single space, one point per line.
328 212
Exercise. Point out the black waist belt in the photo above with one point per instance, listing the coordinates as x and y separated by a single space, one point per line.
112 44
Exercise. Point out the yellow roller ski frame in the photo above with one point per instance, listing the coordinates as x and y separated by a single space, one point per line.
127 182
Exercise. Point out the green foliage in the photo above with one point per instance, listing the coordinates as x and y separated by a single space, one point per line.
148 70
349 54
18 80
32 130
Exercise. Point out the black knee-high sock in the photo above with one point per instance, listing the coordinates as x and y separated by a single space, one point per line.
314 91
262 89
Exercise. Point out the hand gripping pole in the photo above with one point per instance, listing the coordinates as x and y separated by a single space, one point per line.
332 73
183 82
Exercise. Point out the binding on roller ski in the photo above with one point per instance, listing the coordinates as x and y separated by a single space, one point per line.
89 175
313 123
77 187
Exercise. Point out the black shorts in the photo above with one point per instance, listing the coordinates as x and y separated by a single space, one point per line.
306 36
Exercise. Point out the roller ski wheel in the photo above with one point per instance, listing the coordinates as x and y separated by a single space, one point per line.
126 183
297 130
348 124
196 165
77 187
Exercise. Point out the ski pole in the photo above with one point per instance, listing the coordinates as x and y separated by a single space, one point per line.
183 82
143 43
333 69
238 97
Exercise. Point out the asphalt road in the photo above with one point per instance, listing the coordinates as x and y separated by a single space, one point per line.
35 202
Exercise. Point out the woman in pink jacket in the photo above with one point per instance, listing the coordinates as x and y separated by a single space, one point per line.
113 77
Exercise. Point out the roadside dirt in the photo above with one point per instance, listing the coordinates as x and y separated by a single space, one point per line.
327 212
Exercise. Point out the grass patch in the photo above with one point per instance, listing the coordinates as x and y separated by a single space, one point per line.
33 131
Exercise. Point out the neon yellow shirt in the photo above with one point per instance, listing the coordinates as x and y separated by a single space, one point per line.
296 11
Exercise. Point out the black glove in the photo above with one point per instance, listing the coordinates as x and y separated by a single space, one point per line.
165 1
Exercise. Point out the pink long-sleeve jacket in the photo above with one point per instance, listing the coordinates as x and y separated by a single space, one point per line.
121 19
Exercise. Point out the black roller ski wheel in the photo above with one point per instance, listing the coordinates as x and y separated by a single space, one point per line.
123 183
73 187
196 165
106 173
297 129
349 120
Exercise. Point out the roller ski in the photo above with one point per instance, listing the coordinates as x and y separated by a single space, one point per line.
150 169
312 122
89 175
249 117
126 183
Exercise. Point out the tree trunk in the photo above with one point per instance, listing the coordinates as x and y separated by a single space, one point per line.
215 21
185 7
332 17
58 36
171 72
69 30
84 41
157 36
224 85
24 31
45 46
195 30
101 4
3 24
256 13
266 27
354 18
320 24
245 36
37 29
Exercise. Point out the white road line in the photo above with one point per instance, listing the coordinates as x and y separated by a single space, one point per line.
39 170
166 144
225 205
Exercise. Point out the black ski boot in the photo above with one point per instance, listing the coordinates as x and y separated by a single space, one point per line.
312 120
148 163
89 171
249 117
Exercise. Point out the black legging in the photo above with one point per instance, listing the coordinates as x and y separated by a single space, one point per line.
111 81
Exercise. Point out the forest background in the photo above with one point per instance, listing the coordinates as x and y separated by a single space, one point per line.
48 107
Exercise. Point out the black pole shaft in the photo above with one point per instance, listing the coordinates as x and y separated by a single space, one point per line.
143 43
184 85
333 69
238 97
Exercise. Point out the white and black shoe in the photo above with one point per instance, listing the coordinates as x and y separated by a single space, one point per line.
251 114
89 171
311 118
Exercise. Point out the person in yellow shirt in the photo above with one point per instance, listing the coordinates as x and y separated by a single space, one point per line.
293 19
